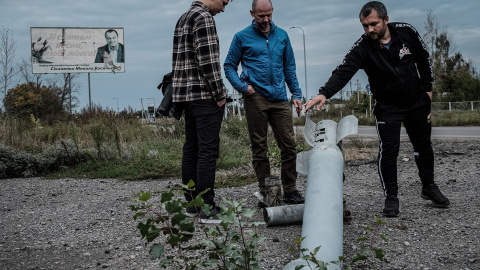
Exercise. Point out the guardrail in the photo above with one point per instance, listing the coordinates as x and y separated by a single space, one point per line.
456 106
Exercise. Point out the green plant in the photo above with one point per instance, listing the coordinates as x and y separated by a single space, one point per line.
73 132
274 153
363 259
232 245
98 133
310 256
364 256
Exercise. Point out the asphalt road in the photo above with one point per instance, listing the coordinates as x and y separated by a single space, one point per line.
445 132
450 132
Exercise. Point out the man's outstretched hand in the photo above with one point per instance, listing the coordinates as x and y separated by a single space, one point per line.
319 99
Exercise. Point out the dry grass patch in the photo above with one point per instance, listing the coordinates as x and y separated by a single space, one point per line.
359 148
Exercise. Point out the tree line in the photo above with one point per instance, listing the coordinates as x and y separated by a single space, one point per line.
25 94
455 78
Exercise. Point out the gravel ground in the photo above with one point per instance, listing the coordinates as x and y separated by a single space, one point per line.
87 224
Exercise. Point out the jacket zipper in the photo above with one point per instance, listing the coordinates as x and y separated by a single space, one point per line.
398 73
270 64
269 56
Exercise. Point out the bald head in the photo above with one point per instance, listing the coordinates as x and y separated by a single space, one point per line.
257 4
261 12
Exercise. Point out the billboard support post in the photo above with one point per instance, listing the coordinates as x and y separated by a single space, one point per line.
89 95
70 91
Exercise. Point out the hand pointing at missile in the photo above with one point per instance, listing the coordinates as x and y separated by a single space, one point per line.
319 99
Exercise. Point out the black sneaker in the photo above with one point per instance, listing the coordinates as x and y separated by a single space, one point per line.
347 214
391 207
261 204
432 193
192 211
293 197
211 215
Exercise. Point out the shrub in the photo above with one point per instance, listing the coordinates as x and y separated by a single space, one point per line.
15 163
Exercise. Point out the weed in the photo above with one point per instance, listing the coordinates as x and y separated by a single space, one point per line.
365 258
232 245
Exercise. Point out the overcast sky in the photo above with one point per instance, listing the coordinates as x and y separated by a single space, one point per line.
331 27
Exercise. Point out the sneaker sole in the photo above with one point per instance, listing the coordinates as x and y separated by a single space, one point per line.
391 214
425 197
209 221
191 214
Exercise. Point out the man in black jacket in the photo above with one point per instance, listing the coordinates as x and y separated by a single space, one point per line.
399 71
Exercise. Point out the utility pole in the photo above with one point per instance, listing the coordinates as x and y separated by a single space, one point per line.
370 103
358 91
141 102
351 91
89 95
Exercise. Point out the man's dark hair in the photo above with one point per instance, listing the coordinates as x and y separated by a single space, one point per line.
111 31
373 5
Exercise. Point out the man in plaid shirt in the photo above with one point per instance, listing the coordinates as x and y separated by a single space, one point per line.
198 85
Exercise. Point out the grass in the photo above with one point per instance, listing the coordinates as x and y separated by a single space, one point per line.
457 118
230 180
121 147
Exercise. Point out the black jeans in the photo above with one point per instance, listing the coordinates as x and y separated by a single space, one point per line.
203 119
416 120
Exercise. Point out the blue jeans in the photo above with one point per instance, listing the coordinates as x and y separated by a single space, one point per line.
203 119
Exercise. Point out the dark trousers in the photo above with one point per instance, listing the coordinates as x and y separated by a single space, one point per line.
259 113
416 121
203 119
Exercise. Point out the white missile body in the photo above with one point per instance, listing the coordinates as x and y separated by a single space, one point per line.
323 210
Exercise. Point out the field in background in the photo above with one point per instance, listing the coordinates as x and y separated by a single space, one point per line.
105 144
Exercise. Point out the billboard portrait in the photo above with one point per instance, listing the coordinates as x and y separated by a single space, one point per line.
77 50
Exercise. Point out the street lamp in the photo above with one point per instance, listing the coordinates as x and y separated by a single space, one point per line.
304 60
117 104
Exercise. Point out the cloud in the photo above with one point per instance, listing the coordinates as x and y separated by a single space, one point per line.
331 27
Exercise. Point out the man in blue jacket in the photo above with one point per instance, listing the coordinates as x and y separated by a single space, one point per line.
399 71
267 59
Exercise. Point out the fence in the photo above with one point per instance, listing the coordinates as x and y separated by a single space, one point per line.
456 106
236 108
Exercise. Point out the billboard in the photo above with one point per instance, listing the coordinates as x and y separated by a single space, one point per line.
77 50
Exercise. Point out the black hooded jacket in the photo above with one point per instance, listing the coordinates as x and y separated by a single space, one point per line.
397 76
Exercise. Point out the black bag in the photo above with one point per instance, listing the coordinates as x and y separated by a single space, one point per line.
167 80
167 107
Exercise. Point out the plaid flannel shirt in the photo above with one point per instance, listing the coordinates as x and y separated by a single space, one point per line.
196 57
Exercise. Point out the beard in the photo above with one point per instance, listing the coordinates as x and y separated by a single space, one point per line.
380 34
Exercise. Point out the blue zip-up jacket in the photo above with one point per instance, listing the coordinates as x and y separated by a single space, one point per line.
267 63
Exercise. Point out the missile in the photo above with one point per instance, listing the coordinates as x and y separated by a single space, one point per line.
322 223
